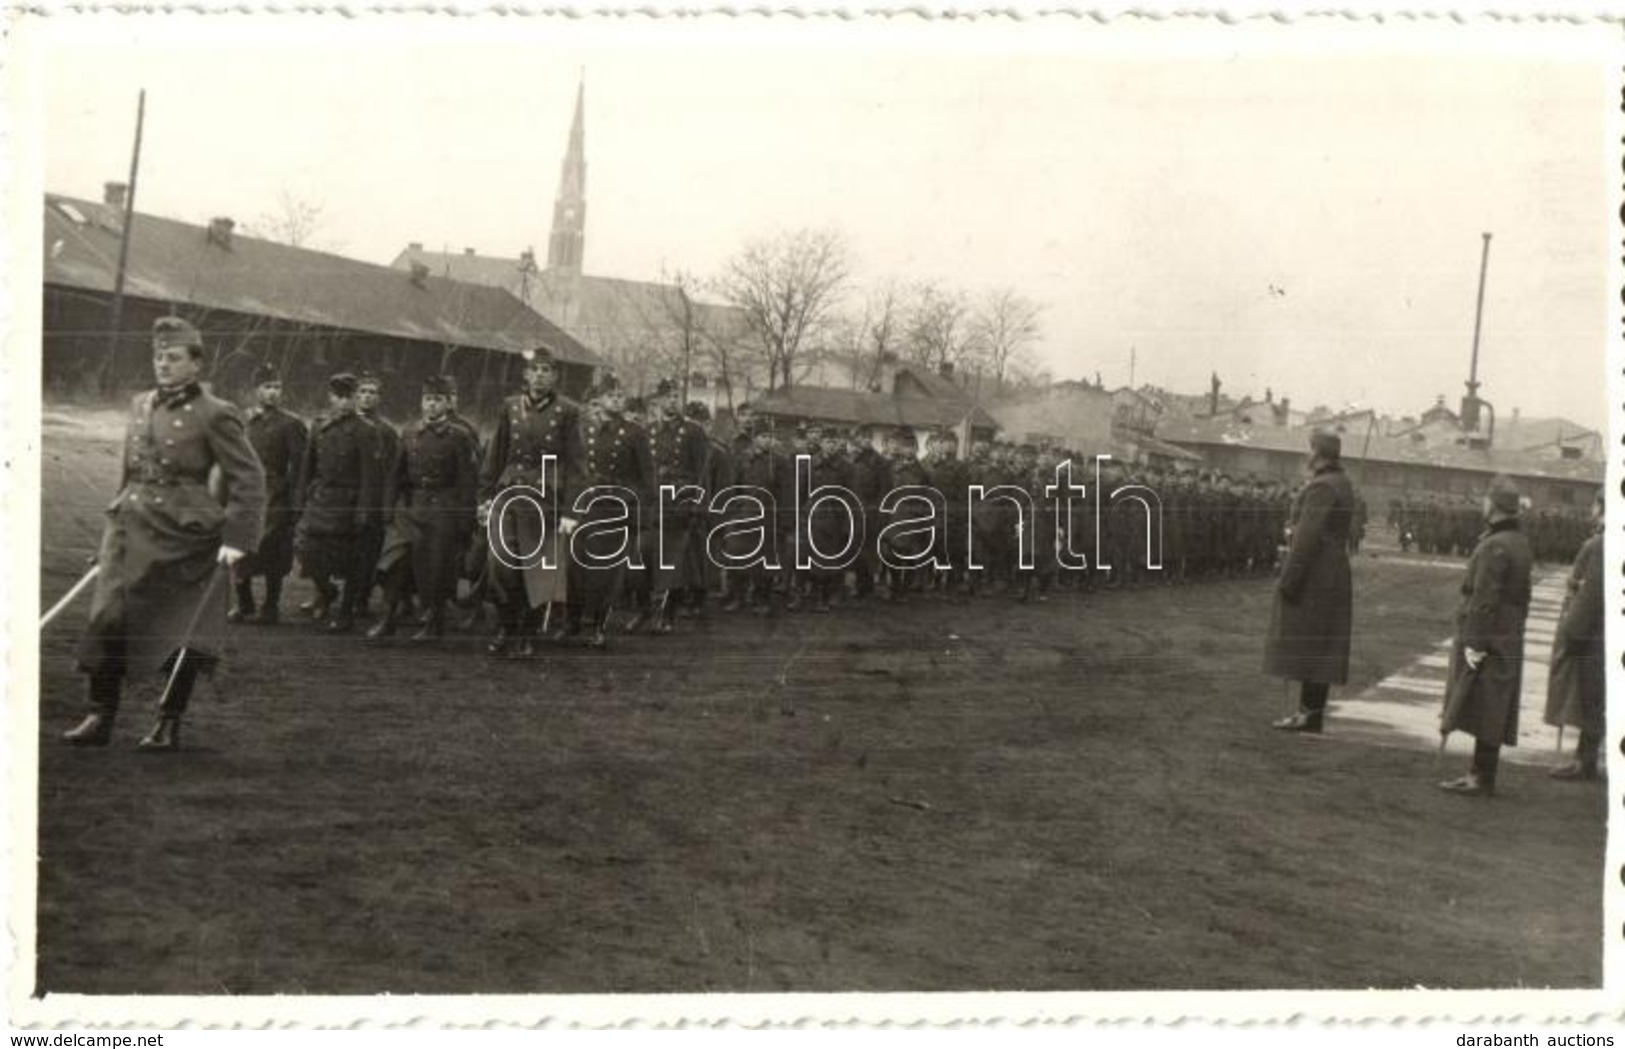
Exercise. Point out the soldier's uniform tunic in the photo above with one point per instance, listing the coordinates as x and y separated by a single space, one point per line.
617 455
680 453
528 431
342 486
278 438
164 530
431 498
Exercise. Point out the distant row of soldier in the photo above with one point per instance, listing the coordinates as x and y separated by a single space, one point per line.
1451 526
362 505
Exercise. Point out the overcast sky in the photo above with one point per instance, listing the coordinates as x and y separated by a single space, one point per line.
1149 187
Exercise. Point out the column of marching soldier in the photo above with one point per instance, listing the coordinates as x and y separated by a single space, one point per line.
368 509
206 496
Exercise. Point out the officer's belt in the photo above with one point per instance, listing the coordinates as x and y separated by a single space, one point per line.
157 481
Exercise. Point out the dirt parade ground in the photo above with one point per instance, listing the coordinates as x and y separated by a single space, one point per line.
1079 794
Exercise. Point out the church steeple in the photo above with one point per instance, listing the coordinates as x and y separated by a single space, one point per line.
568 241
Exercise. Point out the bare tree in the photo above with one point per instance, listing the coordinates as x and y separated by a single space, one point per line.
1004 325
937 330
873 336
295 220
788 286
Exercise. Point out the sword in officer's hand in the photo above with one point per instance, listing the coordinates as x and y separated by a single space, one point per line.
68 598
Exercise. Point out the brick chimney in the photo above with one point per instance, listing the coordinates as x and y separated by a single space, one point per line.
416 245
420 274
946 369
468 251
115 194
220 231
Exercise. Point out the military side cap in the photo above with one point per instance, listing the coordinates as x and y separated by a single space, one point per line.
173 331
665 388
342 385
541 353
697 411
1503 495
1326 444
266 372
437 385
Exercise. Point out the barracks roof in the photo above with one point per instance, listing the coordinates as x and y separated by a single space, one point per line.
863 408
1383 448
172 261
597 302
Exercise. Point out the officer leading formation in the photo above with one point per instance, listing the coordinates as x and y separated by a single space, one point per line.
419 517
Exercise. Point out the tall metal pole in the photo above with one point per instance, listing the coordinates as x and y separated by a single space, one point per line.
117 322
1478 322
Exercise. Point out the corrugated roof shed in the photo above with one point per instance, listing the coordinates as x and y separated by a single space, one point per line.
173 261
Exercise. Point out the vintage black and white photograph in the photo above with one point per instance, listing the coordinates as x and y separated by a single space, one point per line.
561 506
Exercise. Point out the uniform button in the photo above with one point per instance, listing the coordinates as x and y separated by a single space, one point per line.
186 407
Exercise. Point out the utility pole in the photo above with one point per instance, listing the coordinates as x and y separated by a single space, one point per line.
110 365
1133 355
1470 405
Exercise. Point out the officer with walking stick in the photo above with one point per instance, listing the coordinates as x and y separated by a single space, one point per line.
160 603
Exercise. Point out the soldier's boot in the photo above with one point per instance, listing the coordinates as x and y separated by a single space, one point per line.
243 611
385 627
570 628
96 728
503 641
530 629
271 611
598 638
318 606
1311 713
342 620
165 734
665 620
1480 778
434 623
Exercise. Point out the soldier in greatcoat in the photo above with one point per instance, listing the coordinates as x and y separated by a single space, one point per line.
616 457
342 495
871 474
907 471
1311 619
472 567
1576 692
537 423
368 392
160 605
278 437
429 512
1486 659
681 453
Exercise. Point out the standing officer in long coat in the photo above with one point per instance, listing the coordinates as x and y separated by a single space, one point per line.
681 455
342 484
616 457
535 423
1312 617
159 605
429 511
1486 661
278 437
1576 692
